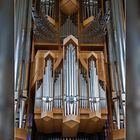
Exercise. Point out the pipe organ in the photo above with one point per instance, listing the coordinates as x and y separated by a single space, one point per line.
70 74
69 92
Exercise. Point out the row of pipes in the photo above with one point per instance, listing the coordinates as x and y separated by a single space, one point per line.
84 100
58 90
97 28
117 58
68 28
48 7
38 94
43 29
103 100
71 81
49 93
22 28
89 8
48 88
44 92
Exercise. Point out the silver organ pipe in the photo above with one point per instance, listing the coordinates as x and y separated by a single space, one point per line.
22 57
83 90
21 112
94 98
48 87
38 95
47 7
117 60
87 8
71 81
58 90
103 101
68 28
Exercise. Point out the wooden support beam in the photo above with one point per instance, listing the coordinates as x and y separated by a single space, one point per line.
119 134
88 21
86 122
51 20
21 134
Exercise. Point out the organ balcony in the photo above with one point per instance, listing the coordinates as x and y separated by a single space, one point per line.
70 93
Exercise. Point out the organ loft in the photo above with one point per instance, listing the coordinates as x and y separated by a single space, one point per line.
70 70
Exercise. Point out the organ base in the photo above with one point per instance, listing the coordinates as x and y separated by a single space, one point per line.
69 70
54 122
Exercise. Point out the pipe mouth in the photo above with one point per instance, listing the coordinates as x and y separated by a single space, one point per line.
47 99
71 99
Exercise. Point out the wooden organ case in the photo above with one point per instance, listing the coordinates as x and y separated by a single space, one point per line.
68 70
70 90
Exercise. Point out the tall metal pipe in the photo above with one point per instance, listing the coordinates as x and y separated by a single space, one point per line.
23 25
22 51
116 50
94 98
47 87
61 87
38 96
71 83
103 97
119 33
83 90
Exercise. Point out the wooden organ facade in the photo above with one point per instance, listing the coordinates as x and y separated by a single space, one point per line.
69 81
72 102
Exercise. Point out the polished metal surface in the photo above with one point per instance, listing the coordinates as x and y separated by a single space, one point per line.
103 99
83 90
47 97
119 34
94 97
58 90
68 27
89 8
71 77
117 58
22 55
38 95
